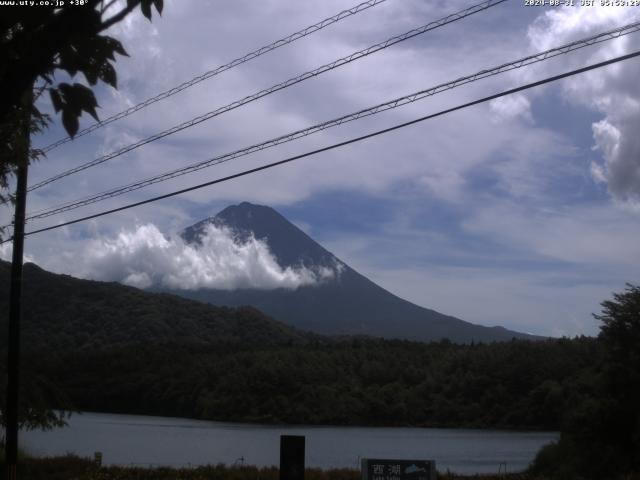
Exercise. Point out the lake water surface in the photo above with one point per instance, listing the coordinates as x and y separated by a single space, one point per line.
153 441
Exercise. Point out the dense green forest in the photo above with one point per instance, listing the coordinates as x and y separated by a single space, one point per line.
516 384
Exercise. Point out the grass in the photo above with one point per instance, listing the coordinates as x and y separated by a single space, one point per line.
75 468
71 467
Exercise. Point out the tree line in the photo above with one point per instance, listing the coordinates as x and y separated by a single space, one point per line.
518 384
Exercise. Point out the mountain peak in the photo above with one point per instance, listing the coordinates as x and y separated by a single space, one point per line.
245 208
248 216
290 245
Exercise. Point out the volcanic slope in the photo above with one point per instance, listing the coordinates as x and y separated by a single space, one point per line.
346 304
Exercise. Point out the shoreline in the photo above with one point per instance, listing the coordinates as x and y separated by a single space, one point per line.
267 424
81 468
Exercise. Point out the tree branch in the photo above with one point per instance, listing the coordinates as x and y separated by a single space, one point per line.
118 16
108 6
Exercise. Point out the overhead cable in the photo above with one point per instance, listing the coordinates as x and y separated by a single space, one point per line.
280 86
223 68
340 144
391 104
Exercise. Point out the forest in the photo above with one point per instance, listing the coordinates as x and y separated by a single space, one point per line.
360 381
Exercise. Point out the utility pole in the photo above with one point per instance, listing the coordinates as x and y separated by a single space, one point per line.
15 300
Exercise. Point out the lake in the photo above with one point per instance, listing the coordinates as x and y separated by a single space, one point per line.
154 441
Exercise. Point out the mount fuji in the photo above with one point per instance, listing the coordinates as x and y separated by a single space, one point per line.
342 303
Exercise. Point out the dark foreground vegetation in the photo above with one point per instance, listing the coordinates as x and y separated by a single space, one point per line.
76 468
71 467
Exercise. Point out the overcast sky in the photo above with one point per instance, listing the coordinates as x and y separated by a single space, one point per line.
523 212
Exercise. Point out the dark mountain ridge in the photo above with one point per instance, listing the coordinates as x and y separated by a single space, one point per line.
60 312
349 304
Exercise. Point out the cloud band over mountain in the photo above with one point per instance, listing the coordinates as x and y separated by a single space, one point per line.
145 257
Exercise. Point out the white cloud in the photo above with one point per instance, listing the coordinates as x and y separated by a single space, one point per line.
145 257
165 53
557 26
612 91
511 107
617 137
6 253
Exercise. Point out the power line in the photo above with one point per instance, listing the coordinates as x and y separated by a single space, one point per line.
342 144
223 68
395 103
280 86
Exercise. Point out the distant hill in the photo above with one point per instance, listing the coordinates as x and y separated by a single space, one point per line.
100 346
65 313
349 304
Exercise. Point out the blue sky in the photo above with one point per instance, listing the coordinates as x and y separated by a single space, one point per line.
522 212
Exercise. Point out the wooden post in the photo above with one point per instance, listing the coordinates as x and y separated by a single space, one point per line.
291 457
15 300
